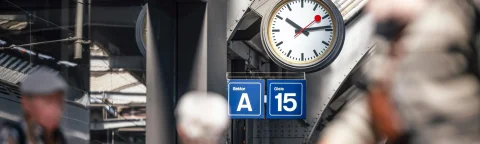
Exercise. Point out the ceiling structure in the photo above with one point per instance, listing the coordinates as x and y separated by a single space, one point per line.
116 86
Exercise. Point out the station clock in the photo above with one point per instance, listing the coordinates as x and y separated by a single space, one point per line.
303 35
141 31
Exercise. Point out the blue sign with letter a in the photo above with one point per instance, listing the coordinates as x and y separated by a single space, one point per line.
286 99
245 98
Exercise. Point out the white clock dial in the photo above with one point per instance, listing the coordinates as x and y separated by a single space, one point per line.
301 33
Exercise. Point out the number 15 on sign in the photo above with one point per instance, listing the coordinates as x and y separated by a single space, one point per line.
286 99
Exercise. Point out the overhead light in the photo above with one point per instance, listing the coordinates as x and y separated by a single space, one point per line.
2 43
3 21
18 26
24 50
66 63
42 56
12 24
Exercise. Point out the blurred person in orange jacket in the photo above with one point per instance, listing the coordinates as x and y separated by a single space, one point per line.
430 65
424 64
356 120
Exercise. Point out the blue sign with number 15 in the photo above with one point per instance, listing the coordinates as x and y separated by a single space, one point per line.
286 99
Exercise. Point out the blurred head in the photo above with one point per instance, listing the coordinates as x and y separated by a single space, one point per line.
43 98
400 10
393 16
44 109
201 117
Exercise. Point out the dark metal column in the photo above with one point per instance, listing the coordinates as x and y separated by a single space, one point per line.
160 66
191 47
238 132
238 65
66 47
217 47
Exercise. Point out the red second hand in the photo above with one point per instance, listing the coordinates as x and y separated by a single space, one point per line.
317 19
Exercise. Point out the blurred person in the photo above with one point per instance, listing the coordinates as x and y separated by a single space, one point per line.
355 123
424 76
429 90
42 99
202 117
351 126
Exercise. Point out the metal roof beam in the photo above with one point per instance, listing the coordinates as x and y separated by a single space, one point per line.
130 63
242 50
119 105
355 48
117 123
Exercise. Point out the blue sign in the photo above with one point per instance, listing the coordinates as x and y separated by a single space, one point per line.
286 99
245 99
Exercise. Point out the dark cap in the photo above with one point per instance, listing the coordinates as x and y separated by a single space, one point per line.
43 82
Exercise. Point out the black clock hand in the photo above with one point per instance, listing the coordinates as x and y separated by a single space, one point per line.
296 26
314 28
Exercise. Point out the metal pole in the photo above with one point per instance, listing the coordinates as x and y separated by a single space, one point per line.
90 19
160 126
104 115
37 43
217 48
113 136
79 30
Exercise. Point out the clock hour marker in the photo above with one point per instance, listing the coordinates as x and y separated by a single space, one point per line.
276 30
328 29
316 54
280 43
325 43
302 56
324 17
315 8
302 3
289 52
281 18
289 8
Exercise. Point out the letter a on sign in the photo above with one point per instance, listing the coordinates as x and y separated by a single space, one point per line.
244 103
245 98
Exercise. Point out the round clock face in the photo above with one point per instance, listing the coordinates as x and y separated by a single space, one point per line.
303 35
